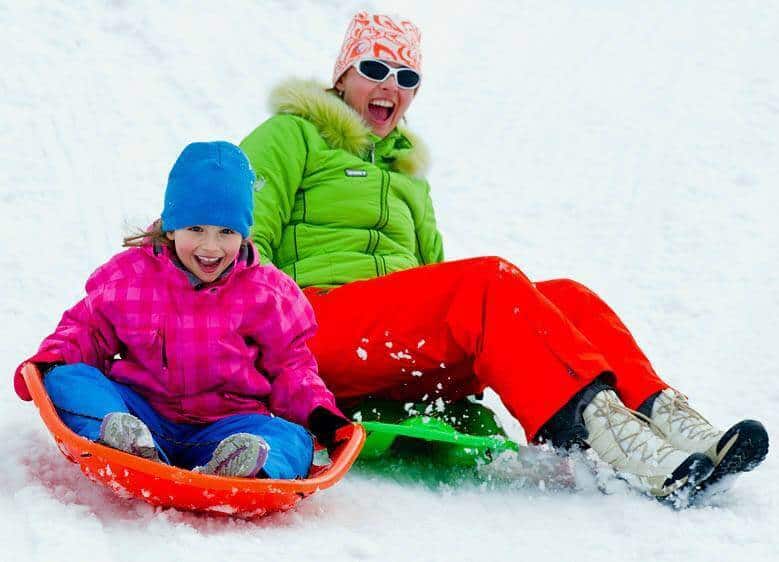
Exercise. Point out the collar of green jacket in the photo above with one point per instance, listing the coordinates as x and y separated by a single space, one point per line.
343 128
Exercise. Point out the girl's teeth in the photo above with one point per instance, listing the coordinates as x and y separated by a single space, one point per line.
383 103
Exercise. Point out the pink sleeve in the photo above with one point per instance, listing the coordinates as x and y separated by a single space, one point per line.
20 386
285 325
83 335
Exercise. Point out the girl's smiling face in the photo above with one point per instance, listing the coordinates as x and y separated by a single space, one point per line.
206 250
381 104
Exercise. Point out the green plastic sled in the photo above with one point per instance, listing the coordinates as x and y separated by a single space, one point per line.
463 433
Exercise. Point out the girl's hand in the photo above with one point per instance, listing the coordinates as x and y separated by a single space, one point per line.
324 424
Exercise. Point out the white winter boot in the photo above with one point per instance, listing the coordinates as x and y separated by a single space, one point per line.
739 449
639 454
123 431
240 454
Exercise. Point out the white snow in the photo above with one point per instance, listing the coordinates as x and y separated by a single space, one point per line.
633 146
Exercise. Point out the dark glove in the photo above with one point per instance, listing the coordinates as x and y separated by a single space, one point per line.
324 424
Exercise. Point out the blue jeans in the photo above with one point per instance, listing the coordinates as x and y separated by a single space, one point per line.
82 396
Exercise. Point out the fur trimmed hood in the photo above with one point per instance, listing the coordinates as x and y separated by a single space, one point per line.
342 127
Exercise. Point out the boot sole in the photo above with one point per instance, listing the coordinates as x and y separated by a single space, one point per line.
696 469
748 451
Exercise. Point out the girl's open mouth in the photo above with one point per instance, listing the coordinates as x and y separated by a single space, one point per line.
208 265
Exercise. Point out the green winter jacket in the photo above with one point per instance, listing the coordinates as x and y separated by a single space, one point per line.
334 203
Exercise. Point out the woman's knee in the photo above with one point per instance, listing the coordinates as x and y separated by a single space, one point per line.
495 267
573 298
565 286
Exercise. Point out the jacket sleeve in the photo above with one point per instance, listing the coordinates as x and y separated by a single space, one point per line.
284 325
430 247
277 153
83 335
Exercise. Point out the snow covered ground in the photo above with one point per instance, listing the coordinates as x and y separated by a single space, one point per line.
633 146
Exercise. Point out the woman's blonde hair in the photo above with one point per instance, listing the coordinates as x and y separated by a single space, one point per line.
153 236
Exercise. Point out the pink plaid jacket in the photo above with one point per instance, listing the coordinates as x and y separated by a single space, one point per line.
235 346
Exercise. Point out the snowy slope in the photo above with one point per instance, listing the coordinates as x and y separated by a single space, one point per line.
633 146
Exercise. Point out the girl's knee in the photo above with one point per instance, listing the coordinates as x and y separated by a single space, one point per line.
82 396
84 389
290 430
66 376
267 427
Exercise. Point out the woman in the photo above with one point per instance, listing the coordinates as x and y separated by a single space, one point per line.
342 207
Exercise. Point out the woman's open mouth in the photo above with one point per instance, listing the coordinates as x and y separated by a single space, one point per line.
381 110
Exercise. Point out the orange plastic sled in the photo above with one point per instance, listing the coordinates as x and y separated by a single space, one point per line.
168 486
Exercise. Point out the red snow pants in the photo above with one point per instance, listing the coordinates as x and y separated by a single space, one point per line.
451 329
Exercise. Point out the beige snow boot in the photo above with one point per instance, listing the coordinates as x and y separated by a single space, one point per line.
739 449
639 455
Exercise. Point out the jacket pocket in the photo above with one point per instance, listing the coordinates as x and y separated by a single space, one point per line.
163 348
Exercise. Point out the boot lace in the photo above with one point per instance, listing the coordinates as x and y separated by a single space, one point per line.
631 435
685 420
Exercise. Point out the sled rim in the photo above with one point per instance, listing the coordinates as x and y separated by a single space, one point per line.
343 455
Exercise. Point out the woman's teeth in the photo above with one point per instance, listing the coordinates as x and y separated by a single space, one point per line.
381 110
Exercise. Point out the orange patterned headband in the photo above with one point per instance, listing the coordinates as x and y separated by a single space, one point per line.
382 37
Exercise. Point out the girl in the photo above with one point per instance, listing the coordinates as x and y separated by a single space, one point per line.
346 212
186 349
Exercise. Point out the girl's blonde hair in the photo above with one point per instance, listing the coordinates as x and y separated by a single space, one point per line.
153 236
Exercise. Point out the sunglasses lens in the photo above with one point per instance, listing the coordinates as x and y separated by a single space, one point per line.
408 78
374 69
378 71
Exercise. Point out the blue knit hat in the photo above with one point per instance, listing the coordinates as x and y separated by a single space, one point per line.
210 183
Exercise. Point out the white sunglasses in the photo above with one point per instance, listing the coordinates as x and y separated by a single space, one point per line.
379 71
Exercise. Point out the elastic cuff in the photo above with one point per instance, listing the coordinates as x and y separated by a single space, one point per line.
566 428
646 406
